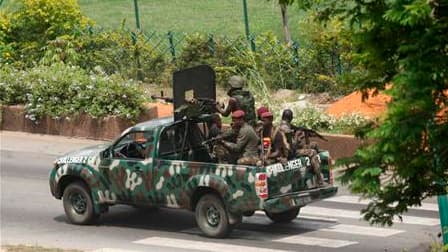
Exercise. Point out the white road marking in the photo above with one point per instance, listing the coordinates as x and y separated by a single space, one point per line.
357 200
360 230
330 225
199 245
328 212
313 241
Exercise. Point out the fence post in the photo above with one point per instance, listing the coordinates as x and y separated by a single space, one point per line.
211 44
137 14
252 43
246 19
443 211
172 46
295 49
139 73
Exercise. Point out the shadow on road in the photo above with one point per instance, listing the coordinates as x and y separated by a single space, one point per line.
183 222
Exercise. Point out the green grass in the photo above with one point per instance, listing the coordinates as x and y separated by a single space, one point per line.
223 17
209 16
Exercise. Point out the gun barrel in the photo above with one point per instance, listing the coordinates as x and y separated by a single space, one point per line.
166 99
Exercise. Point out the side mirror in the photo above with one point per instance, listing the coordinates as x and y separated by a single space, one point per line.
106 153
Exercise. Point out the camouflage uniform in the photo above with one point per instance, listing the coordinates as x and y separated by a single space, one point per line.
246 102
246 146
240 100
222 154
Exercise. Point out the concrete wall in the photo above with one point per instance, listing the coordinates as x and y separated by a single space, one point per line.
339 146
82 125
13 119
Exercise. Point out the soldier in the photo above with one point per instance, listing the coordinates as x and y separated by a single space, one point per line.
279 149
296 138
214 126
246 145
259 124
287 117
239 100
287 128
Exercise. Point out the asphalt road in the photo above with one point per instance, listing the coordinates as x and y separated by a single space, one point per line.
30 215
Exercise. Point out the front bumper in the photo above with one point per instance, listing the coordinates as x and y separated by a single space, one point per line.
300 199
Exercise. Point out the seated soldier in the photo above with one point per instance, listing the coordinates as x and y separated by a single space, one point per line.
259 124
309 150
245 148
278 150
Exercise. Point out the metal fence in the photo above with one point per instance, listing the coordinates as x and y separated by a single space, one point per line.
171 45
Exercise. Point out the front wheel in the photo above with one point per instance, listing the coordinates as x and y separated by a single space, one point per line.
285 216
212 217
78 204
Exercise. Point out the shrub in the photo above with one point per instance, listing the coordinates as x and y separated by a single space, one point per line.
315 119
6 50
35 22
226 56
13 87
60 90
44 20
115 52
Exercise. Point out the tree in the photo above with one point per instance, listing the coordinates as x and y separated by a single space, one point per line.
284 11
402 45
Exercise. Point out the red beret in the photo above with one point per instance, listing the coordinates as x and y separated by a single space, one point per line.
267 114
261 110
238 114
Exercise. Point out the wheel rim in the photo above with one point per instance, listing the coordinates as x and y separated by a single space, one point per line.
213 216
79 202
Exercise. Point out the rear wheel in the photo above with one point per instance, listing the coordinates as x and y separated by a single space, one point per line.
212 217
78 204
285 216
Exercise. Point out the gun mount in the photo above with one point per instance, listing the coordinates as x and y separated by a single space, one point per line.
200 81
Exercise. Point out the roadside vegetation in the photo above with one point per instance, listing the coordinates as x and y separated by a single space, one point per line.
57 61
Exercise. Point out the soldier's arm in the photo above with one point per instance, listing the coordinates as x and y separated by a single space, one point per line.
241 142
226 111
280 146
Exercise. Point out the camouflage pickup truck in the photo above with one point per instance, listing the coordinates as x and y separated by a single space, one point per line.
165 163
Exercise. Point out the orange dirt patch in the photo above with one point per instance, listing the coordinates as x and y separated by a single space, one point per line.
374 106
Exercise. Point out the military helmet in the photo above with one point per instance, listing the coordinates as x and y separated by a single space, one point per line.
236 81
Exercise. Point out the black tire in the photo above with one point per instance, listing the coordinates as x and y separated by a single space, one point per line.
283 217
78 204
212 217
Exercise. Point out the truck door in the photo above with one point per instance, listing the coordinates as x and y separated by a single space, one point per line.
171 166
129 167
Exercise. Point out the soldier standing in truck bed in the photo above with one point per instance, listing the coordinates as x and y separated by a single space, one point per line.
246 146
239 100
299 147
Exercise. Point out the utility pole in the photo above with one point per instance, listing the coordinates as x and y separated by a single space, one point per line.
443 211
